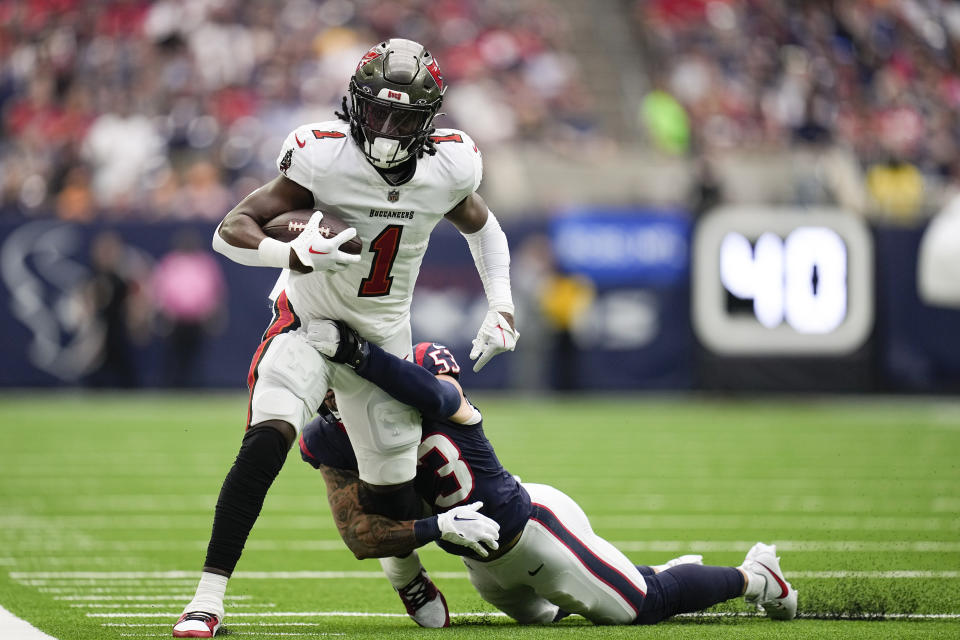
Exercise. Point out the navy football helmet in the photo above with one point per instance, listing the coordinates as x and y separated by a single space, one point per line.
436 358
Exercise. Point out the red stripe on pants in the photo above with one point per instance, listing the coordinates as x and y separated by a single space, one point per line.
284 320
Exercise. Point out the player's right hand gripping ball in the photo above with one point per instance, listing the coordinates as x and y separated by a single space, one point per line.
320 253
495 336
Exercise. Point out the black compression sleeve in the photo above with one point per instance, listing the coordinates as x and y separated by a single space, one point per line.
261 456
410 383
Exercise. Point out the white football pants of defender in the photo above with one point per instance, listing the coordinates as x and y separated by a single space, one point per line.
559 562
291 380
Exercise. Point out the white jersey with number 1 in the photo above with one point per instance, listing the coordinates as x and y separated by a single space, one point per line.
393 222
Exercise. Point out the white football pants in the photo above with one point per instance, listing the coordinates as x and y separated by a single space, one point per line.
560 562
288 379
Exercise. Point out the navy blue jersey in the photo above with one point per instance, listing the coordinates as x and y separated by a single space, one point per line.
456 466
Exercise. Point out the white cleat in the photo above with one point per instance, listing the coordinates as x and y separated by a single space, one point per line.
424 602
196 624
778 599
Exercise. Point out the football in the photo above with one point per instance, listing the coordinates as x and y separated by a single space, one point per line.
287 226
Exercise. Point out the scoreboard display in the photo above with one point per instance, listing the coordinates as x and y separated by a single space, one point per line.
782 281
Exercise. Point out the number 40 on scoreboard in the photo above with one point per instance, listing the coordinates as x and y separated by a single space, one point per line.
782 281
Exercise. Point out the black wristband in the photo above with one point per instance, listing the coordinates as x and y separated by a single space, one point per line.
426 530
352 349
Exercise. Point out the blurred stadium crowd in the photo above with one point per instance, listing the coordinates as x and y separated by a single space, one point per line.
878 77
176 108
119 109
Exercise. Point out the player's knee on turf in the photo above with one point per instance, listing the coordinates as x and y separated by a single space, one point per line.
291 382
543 614
523 603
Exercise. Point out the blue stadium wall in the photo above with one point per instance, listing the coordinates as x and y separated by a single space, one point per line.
638 334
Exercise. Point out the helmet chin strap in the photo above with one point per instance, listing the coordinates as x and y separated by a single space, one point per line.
384 153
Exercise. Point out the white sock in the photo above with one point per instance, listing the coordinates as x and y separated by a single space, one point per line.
756 583
209 595
400 571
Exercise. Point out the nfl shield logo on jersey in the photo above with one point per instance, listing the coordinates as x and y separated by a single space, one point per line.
393 195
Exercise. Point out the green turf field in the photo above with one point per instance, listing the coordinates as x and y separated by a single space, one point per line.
106 503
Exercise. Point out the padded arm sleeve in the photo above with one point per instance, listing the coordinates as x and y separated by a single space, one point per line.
491 254
270 253
249 257
409 383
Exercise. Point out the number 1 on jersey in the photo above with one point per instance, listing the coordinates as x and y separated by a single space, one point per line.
385 247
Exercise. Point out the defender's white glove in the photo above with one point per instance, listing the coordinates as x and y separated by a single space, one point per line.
495 336
324 336
338 342
467 527
323 254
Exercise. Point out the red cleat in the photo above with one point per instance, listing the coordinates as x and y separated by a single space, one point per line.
424 602
196 624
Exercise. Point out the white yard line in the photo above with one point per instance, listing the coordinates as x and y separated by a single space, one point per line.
131 583
117 593
792 546
829 615
337 545
13 627
66 576
495 614
260 634
377 575
148 597
285 614
805 521
86 560
157 605
873 574
168 545
232 624
813 520
123 589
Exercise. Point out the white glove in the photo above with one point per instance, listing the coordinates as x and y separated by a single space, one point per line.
495 336
466 526
324 336
323 254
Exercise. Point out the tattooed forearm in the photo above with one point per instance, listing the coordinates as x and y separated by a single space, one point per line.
367 535
378 537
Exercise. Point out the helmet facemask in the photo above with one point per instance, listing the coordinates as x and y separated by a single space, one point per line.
389 130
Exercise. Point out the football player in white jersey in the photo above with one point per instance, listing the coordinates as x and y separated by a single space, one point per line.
385 170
